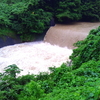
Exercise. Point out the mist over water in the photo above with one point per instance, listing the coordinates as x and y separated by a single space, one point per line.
35 57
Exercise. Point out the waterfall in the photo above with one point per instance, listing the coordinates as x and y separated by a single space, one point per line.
67 35
35 57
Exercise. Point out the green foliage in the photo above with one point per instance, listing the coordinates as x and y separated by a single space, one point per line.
90 10
88 49
31 91
75 93
69 10
73 10
22 80
62 83
84 85
9 87
89 69
59 74
34 16
81 81
7 32
4 15
11 70
24 20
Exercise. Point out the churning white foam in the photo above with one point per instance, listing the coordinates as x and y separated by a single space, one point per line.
33 57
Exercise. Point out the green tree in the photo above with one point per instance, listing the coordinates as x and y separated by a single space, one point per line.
88 49
69 10
24 20
31 91
9 87
90 10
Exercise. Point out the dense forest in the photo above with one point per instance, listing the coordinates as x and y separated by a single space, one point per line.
27 18
80 80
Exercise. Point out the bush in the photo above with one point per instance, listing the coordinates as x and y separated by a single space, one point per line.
90 10
62 83
88 49
31 91
81 81
69 10
9 87
24 20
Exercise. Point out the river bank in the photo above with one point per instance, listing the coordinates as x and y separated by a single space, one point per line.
38 56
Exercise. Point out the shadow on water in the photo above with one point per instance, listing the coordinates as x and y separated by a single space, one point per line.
5 41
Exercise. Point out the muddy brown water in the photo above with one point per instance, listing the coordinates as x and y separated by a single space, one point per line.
67 35
35 57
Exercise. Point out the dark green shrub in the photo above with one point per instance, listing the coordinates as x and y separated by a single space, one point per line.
9 87
69 10
75 93
12 70
72 10
4 15
25 79
62 83
84 85
90 10
31 91
88 49
89 69
24 20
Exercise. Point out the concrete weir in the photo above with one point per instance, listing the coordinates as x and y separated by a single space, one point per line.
67 35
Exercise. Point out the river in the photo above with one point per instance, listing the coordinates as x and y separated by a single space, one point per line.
55 49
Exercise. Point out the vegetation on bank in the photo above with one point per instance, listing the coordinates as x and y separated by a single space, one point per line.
80 81
27 18
24 18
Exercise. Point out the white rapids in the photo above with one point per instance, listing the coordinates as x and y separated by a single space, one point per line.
33 57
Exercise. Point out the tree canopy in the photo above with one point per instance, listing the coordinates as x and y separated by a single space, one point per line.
30 17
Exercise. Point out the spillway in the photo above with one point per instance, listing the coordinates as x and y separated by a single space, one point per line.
35 57
67 35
